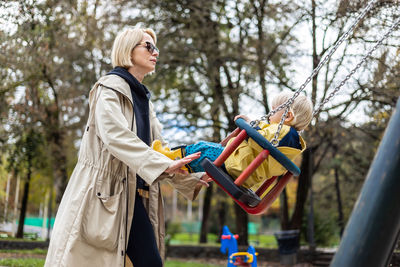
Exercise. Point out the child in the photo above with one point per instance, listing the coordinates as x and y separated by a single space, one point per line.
290 143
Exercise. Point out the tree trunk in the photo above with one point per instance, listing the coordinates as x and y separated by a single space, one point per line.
339 201
222 208
16 203
242 220
206 213
259 11
59 163
50 211
310 219
7 197
302 189
284 210
24 204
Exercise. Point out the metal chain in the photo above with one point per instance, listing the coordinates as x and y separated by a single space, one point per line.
324 60
290 101
326 100
275 140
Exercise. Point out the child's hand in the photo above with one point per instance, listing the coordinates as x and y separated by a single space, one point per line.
176 166
247 119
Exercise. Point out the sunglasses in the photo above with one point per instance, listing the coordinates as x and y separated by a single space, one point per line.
150 47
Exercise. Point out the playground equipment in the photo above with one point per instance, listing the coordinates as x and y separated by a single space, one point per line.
374 225
235 258
250 201
257 202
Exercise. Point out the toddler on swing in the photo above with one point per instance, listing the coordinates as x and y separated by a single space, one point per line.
291 144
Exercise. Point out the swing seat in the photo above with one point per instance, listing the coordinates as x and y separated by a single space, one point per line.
227 182
250 201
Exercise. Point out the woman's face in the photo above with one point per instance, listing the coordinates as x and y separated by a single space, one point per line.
144 55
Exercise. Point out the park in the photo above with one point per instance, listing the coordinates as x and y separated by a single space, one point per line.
200 133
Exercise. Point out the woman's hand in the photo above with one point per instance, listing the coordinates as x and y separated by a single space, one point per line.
204 180
176 166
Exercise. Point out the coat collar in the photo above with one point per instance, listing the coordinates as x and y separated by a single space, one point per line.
117 83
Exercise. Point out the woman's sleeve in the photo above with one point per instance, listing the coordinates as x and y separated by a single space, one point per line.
114 130
187 185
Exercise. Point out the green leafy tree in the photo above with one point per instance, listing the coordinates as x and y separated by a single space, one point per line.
55 52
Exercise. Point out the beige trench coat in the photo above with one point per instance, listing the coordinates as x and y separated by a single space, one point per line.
94 217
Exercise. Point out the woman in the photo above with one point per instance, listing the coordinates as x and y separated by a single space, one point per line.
112 206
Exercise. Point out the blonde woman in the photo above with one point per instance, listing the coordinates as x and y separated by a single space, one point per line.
112 207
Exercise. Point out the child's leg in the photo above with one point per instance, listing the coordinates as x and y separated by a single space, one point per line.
208 150
173 154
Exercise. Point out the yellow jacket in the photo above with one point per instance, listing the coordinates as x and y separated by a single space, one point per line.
249 149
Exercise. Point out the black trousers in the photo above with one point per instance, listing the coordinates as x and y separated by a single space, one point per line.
142 247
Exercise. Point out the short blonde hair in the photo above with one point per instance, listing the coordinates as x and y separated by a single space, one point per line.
301 108
125 42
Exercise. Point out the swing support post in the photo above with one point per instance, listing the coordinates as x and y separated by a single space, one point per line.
374 225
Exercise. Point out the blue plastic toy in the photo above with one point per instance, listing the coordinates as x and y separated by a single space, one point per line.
235 258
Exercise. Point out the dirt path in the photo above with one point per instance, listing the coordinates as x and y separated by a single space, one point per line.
5 255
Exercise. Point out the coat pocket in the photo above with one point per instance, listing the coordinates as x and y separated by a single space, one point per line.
102 217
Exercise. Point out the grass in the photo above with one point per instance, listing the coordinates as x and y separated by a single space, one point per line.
176 263
192 239
267 241
10 238
36 251
25 262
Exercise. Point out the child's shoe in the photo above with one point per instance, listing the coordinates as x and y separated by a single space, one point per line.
175 154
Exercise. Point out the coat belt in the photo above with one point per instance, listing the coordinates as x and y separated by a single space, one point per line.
143 193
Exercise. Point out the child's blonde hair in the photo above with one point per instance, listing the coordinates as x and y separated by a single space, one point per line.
302 109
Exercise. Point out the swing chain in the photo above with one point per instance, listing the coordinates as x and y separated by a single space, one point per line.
322 62
275 140
348 76
290 101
